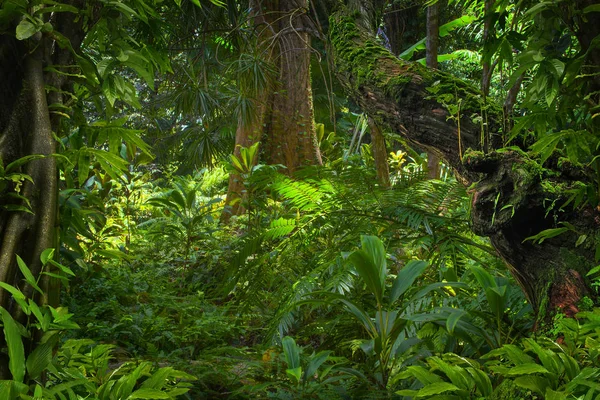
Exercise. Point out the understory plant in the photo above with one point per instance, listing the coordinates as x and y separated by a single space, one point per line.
79 369
391 338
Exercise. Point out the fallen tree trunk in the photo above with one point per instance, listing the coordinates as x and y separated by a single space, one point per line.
513 197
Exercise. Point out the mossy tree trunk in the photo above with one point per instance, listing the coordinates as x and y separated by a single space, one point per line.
291 137
441 114
27 96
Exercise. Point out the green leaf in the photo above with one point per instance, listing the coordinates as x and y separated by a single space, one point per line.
551 91
148 393
532 382
291 352
295 374
46 255
17 294
23 160
41 357
362 316
437 388
13 390
592 8
315 362
593 271
453 319
526 369
373 247
16 352
83 166
28 275
26 29
406 277
554 395
547 234
37 312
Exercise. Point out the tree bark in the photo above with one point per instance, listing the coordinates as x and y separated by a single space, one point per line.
27 131
27 127
380 154
250 129
488 68
291 138
431 46
510 192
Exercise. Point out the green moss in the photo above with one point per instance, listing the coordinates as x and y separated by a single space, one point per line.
471 155
556 188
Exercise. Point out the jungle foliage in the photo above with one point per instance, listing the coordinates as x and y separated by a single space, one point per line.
331 280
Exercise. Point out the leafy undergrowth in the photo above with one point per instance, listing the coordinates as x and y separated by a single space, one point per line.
323 290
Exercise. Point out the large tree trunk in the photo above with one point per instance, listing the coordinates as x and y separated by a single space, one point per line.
291 138
442 114
26 128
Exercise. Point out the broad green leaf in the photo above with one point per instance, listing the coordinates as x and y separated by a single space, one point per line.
458 375
46 255
551 91
554 395
437 388
424 376
148 393
362 316
158 379
484 278
28 275
453 320
538 384
26 29
41 357
406 277
291 352
368 272
482 381
14 342
373 247
13 390
315 362
526 369
295 374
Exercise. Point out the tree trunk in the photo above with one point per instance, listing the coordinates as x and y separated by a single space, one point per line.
488 68
250 128
247 134
25 129
432 45
442 114
291 138
380 154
